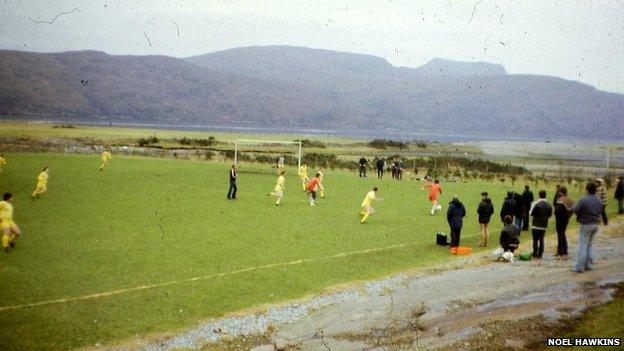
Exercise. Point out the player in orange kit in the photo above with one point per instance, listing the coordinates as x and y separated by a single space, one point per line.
435 190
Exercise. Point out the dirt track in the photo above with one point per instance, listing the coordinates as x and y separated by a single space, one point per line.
435 311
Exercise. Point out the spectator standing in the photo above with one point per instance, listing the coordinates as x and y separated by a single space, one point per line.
509 207
455 217
485 212
519 213
619 194
557 187
395 168
541 211
380 165
604 197
588 212
563 210
363 165
527 200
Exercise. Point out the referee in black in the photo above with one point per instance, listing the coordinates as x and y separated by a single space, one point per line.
231 195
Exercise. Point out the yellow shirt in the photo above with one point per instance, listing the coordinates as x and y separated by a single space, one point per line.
370 197
303 172
6 211
2 161
280 183
42 178
106 156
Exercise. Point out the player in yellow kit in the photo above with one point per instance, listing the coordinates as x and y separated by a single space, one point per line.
42 182
106 156
321 186
279 187
367 205
303 174
10 230
2 162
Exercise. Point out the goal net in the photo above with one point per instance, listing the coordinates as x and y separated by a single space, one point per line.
277 153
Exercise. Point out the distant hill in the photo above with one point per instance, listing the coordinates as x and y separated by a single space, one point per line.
294 87
318 69
157 89
442 96
440 66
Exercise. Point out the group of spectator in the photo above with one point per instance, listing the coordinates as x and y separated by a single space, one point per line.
518 210
394 166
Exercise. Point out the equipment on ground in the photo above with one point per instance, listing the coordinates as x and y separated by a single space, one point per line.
442 239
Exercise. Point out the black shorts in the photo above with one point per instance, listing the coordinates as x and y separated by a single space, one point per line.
484 220
313 194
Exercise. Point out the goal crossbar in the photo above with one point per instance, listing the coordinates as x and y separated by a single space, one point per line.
249 141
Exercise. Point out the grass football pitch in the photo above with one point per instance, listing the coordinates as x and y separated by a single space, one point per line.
107 257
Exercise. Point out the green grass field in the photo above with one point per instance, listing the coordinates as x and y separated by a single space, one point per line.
47 130
95 232
347 147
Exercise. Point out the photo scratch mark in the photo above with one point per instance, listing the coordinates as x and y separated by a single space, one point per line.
55 17
161 228
474 9
177 27
486 39
148 39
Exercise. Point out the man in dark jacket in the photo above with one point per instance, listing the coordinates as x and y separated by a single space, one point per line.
380 165
541 212
509 206
455 217
557 187
231 195
588 212
485 212
619 195
363 165
509 235
563 208
519 213
394 165
527 200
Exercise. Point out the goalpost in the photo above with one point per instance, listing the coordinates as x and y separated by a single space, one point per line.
242 142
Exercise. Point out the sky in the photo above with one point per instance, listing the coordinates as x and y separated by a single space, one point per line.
576 40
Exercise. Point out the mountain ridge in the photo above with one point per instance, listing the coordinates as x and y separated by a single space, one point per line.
304 87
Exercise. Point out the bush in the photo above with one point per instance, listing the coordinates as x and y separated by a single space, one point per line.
436 164
185 141
229 154
311 143
242 156
421 144
199 142
206 142
147 141
385 143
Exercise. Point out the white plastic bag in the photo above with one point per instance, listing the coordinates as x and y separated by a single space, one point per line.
508 256
497 253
